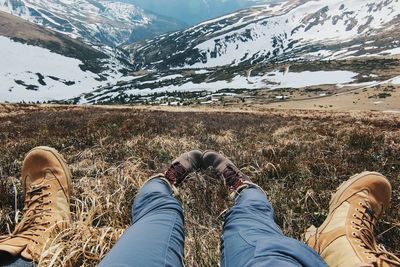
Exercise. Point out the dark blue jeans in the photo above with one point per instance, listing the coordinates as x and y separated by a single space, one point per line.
251 236
156 237
7 260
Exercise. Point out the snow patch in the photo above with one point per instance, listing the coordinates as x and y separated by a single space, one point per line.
271 80
47 75
395 80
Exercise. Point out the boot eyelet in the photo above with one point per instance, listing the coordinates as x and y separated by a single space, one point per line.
354 234
355 216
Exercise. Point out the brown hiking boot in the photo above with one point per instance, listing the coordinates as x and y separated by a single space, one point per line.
346 237
182 166
233 176
46 181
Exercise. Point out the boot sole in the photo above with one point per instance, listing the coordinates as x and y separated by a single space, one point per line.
310 232
62 162
345 185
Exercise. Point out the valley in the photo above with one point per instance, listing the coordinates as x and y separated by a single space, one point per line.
280 54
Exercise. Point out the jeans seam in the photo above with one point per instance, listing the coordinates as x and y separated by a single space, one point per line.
245 239
169 239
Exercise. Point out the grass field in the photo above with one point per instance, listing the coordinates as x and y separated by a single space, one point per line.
298 157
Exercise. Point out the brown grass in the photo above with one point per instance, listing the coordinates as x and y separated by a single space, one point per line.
298 157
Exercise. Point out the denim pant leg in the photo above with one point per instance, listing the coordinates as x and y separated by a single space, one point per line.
156 237
252 238
6 260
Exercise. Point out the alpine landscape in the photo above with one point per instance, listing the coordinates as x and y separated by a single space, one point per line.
300 94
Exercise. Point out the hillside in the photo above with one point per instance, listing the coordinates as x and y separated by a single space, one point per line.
102 22
284 51
297 157
31 34
43 65
290 30
263 83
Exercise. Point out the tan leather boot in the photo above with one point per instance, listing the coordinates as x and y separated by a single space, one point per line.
346 237
46 181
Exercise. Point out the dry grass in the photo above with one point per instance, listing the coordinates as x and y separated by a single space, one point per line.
298 157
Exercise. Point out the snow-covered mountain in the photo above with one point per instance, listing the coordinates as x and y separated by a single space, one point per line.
101 21
42 65
317 29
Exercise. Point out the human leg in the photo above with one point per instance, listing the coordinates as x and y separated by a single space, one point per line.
156 237
251 236
7 260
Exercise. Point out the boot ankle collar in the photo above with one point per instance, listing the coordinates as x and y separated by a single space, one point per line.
245 184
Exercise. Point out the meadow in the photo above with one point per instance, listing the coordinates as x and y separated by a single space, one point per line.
298 157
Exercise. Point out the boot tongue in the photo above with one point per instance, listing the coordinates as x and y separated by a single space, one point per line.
33 182
375 209
34 193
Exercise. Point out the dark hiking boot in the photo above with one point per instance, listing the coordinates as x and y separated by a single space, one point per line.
182 166
234 178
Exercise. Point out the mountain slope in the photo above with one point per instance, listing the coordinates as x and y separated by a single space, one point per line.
105 22
42 65
325 29
22 31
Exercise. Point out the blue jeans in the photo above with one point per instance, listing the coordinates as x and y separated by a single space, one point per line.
251 236
6 260
156 237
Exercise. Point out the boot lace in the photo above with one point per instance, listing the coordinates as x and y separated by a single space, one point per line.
233 177
365 226
176 173
34 212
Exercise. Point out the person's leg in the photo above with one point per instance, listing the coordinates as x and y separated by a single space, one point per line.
252 238
7 260
156 237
